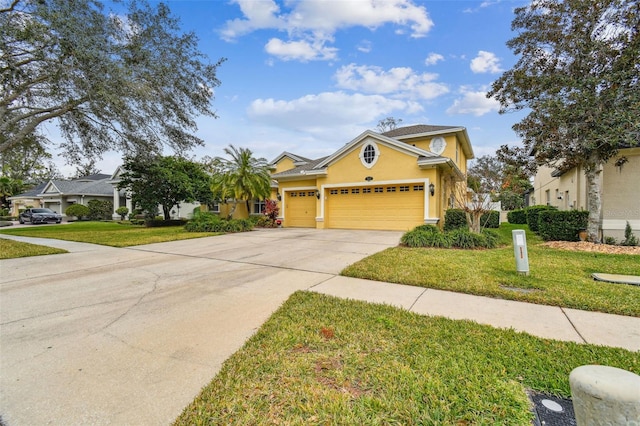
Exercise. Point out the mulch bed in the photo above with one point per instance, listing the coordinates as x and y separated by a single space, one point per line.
592 247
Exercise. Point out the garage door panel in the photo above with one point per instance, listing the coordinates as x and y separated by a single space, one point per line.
376 207
300 209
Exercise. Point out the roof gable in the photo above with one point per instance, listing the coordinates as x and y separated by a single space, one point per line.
424 130
379 138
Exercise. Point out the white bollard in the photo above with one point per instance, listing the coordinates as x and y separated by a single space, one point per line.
605 395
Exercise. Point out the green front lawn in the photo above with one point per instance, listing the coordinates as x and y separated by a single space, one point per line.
557 277
322 360
10 249
108 233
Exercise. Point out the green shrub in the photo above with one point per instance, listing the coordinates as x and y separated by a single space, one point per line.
490 219
428 228
610 241
122 211
77 210
517 217
629 238
210 222
100 209
455 219
557 225
425 238
156 223
532 213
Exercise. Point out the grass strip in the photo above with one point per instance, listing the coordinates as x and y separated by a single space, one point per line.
10 249
557 277
323 360
108 233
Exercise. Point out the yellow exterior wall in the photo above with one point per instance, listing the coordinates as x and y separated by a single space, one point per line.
284 164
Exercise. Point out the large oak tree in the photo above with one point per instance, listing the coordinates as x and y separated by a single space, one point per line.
578 72
127 79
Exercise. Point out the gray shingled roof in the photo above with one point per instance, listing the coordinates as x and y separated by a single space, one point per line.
32 192
416 130
297 170
92 187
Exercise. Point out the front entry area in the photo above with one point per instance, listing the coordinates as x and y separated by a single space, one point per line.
398 207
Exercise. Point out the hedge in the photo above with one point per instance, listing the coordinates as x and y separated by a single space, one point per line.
455 219
490 219
517 217
210 222
563 225
155 223
431 236
532 215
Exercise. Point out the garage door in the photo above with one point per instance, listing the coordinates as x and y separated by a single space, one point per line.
300 209
390 207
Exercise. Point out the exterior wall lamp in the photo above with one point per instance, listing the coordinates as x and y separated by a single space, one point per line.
317 194
279 197
432 189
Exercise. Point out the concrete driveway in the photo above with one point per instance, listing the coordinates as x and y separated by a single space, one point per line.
129 336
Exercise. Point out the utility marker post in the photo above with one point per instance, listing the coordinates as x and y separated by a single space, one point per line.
520 251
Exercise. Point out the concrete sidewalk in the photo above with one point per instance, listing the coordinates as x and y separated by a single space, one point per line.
549 322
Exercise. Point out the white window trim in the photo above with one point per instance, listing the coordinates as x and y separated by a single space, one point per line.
376 156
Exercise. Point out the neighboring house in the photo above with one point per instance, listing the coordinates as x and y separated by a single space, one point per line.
390 181
58 195
567 190
122 198
26 200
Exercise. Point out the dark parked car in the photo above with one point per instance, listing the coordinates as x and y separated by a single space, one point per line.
39 216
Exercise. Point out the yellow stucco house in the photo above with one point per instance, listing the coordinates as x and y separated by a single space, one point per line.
389 181
567 190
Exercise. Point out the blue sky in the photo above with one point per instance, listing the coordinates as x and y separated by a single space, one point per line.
308 76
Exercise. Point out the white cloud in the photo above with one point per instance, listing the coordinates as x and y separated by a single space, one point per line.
311 113
300 50
401 81
485 62
433 58
316 20
473 102
365 46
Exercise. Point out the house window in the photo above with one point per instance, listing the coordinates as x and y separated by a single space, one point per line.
379 189
404 188
334 192
391 189
547 196
293 194
303 194
215 207
258 206
355 191
344 191
369 154
366 190
418 187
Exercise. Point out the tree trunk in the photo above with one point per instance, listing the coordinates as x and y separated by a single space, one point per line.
594 201
233 210
167 212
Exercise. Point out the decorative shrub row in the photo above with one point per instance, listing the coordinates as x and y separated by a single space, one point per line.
557 225
210 222
431 236
457 219
517 217
155 223
533 212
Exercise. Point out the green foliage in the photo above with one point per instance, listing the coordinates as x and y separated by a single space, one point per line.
455 219
122 211
240 178
532 213
629 238
610 241
126 78
557 225
431 236
155 223
100 209
165 181
518 217
210 222
77 210
582 94
490 219
510 199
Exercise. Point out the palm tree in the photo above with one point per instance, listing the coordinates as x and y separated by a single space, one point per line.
9 187
240 178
